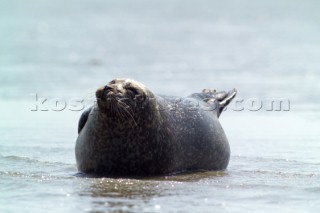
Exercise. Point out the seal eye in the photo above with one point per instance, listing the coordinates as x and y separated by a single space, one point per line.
112 82
132 90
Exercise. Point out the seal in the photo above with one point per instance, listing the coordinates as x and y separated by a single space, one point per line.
130 131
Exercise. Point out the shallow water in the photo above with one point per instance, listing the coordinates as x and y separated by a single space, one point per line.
65 50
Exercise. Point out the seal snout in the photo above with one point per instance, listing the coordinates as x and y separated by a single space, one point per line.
121 91
108 91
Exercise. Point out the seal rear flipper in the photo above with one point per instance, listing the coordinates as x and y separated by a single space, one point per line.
223 99
218 100
83 119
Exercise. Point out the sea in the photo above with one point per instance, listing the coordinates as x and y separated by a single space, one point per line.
55 54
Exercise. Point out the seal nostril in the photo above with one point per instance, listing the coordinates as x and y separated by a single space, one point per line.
107 87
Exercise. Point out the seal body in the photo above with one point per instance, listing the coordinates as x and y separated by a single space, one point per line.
132 132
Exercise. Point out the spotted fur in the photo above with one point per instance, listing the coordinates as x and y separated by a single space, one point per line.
132 132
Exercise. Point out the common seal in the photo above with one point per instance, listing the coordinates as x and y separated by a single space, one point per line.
132 132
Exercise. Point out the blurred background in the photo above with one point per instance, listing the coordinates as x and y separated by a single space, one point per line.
268 48
67 49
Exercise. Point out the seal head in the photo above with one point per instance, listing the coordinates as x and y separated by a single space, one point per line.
122 92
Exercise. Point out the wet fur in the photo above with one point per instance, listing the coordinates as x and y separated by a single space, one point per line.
158 135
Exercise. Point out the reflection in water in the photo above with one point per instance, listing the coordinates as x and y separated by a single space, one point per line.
205 189
108 192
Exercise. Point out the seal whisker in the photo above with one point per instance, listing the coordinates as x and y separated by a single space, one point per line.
126 108
124 115
127 112
116 109
120 113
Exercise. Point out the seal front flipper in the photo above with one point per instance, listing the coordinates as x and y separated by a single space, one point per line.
83 119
